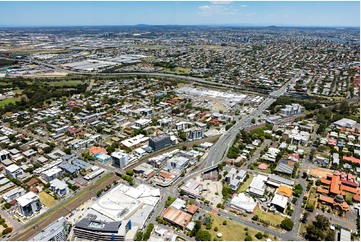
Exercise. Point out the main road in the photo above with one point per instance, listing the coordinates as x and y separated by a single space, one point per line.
219 150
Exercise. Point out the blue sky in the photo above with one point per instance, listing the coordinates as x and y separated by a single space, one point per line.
307 13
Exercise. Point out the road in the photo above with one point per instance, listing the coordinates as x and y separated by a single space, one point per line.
253 225
256 154
219 150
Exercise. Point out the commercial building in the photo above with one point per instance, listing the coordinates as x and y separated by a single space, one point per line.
192 188
176 217
293 109
97 230
244 203
119 159
258 185
158 142
124 202
56 231
28 204
177 163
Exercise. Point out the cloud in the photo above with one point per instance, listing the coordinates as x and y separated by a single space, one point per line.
210 10
221 2
243 6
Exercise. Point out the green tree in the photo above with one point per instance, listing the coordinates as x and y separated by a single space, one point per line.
196 228
248 238
203 235
139 236
259 235
287 224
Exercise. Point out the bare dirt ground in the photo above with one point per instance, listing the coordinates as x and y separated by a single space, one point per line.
48 74
213 187
320 172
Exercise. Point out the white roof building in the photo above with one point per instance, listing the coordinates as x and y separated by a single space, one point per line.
27 199
12 168
243 202
345 122
258 185
280 201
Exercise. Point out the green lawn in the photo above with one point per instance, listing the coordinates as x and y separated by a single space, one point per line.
46 199
177 70
7 101
245 184
233 231
273 219
65 83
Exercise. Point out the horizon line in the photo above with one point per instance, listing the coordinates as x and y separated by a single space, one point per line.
180 25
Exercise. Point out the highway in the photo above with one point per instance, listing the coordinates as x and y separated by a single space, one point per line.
219 150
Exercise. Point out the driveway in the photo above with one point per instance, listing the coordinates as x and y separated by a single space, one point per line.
11 222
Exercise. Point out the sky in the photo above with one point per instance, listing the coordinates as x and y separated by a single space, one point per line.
256 13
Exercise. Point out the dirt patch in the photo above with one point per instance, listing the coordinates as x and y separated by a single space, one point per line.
213 187
320 172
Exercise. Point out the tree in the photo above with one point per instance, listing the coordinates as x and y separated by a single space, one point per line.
203 235
148 232
215 229
196 228
255 217
7 205
322 222
224 222
287 224
67 151
139 236
130 172
259 235
7 230
248 238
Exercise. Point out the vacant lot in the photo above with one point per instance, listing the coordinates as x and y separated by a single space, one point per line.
213 187
177 70
46 199
319 172
273 219
233 231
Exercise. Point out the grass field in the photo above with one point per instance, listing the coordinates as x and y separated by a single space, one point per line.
233 231
273 219
46 199
7 101
177 70
245 184
65 83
